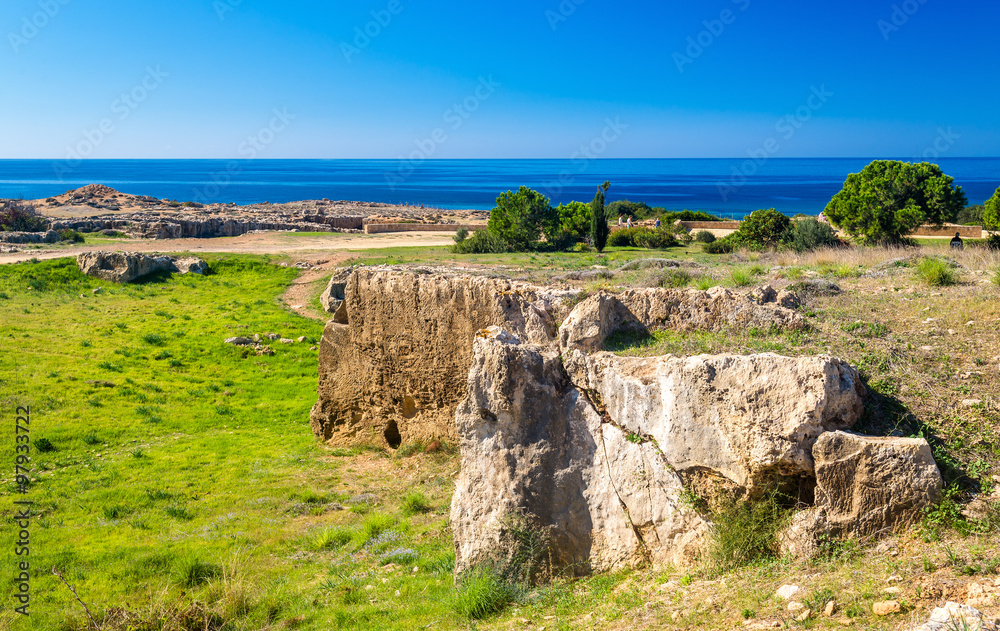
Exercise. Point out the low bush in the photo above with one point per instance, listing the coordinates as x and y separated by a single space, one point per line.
704 236
808 234
936 272
745 531
415 502
71 235
741 277
641 237
482 592
724 245
482 242
19 216
44 445
461 234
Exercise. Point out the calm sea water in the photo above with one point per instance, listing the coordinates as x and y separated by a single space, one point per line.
732 187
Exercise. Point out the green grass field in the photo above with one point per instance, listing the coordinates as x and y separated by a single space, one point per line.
177 485
179 477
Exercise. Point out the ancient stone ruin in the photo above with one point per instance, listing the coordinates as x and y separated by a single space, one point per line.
597 450
125 267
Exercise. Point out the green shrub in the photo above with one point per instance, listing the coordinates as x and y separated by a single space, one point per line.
44 445
654 239
724 245
670 217
71 235
936 273
461 234
574 218
809 234
19 216
745 532
675 278
482 242
642 237
622 238
626 208
704 236
741 277
761 229
971 215
482 592
415 502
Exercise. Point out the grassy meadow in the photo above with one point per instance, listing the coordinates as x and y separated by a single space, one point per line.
177 485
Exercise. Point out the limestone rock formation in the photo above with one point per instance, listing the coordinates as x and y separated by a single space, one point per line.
125 267
865 485
641 310
49 236
191 265
745 418
393 366
533 445
595 450
333 296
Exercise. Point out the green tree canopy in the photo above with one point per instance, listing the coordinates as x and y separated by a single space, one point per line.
991 212
522 218
890 199
762 229
599 218
574 218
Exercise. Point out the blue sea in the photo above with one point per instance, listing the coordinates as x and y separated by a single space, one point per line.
730 187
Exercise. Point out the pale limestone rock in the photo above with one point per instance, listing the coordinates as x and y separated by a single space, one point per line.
533 445
786 592
125 267
742 417
394 361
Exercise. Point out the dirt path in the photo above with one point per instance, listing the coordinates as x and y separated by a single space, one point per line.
323 252
299 294
300 246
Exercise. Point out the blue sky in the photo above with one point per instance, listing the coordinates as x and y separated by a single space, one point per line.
226 77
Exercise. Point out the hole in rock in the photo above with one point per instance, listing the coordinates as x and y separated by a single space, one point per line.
409 407
392 435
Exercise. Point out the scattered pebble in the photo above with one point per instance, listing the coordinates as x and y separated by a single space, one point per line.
785 592
886 608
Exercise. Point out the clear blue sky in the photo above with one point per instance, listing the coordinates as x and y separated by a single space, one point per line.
232 63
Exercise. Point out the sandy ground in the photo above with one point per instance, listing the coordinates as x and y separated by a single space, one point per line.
305 248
